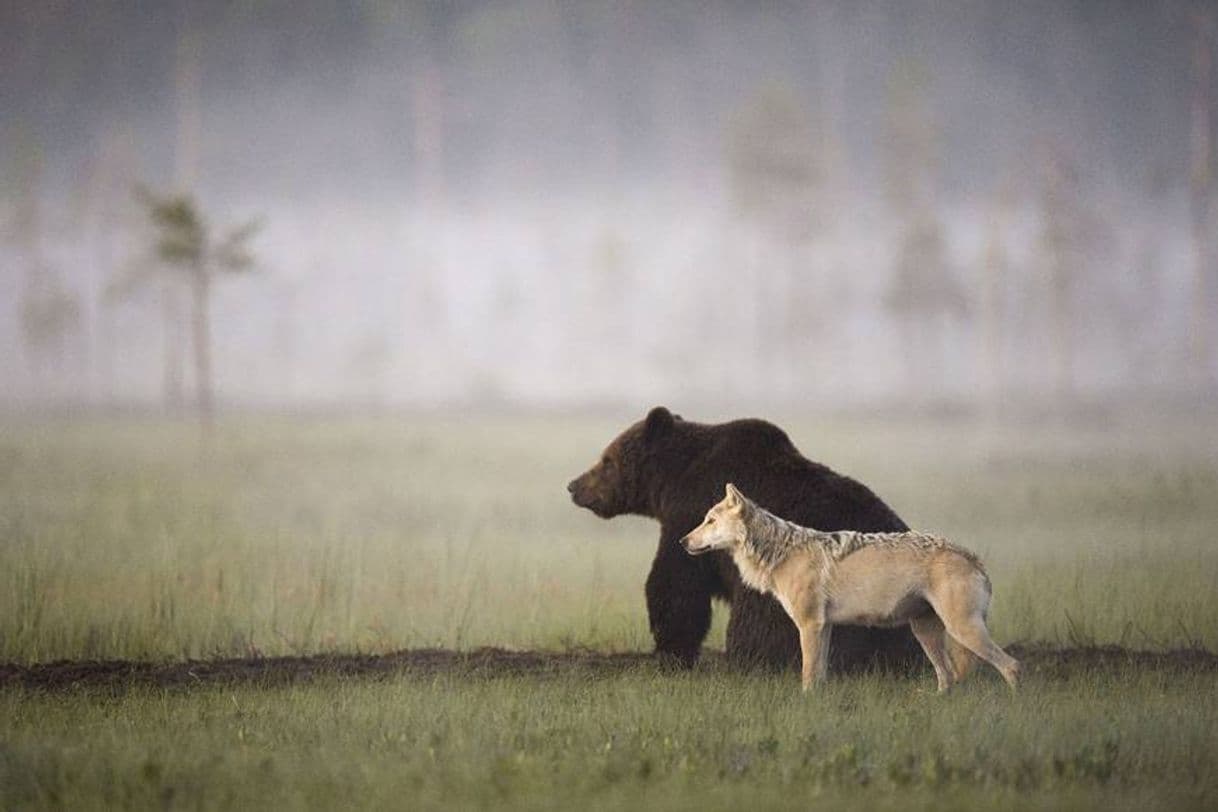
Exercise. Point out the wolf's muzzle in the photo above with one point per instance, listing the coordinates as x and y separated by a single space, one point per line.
684 542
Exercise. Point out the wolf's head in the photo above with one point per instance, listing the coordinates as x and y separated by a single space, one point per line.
725 525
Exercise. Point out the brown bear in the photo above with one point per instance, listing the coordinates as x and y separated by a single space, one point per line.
674 470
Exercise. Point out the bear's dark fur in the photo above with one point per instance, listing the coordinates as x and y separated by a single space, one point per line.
673 470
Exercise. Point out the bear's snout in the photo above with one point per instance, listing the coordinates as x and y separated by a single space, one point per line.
579 492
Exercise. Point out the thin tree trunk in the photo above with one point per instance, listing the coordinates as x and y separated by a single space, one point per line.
185 171
285 339
201 328
1199 176
171 381
90 218
105 224
1060 203
993 311
831 67
1062 331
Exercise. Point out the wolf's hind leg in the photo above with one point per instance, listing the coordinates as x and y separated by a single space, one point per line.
929 631
973 635
959 657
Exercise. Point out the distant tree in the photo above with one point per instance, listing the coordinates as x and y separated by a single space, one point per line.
418 34
1143 301
924 294
417 40
49 313
1204 26
911 140
995 273
187 106
773 167
184 246
1069 236
775 180
104 217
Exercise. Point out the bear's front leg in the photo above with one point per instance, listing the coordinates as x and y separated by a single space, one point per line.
760 634
678 593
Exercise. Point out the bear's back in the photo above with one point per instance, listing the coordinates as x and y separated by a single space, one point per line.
760 459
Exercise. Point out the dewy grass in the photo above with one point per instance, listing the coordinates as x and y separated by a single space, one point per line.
122 540
127 541
707 739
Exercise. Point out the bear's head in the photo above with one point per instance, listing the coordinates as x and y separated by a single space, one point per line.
620 482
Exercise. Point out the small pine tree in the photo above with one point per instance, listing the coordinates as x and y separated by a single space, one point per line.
183 244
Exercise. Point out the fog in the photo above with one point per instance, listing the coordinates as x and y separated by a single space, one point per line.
563 205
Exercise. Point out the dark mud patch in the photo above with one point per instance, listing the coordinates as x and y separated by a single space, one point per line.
489 662
1046 660
118 675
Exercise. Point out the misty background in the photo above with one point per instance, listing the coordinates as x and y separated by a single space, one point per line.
547 204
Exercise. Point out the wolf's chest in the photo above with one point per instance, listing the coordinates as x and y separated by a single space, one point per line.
797 585
753 576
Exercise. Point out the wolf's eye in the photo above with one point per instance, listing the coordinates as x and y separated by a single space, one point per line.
710 519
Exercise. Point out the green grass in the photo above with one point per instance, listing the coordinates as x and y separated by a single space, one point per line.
704 740
126 540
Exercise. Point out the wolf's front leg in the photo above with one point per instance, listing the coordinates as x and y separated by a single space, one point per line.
822 663
814 645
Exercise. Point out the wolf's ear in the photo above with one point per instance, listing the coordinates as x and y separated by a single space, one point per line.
734 495
658 423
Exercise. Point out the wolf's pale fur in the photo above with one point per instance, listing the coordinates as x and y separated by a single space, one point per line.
866 579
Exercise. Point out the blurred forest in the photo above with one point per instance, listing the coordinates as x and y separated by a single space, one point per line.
819 204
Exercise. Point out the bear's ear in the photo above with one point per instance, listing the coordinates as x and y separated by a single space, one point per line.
659 421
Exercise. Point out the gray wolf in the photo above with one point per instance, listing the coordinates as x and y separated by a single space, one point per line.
940 590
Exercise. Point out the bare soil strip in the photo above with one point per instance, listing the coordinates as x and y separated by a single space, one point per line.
119 675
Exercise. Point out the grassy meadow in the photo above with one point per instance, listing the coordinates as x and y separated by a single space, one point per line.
676 741
132 540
